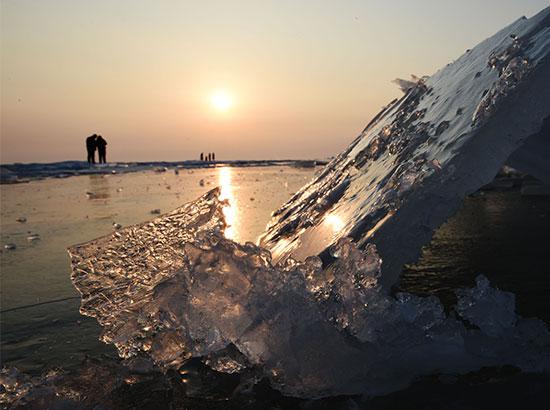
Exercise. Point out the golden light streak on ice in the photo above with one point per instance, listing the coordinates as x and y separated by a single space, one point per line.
379 224
226 192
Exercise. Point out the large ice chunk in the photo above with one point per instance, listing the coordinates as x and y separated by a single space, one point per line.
415 161
176 288
317 319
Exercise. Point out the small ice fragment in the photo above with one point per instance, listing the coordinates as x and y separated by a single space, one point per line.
33 237
155 211
21 219
119 189
113 171
116 225
407 85
90 195
10 246
490 309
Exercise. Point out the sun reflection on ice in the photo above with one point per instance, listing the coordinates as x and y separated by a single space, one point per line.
334 222
226 193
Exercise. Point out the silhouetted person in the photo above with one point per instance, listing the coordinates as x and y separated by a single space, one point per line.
213 156
202 156
91 146
209 157
101 149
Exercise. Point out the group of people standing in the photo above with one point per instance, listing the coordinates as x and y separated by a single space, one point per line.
93 143
97 143
209 156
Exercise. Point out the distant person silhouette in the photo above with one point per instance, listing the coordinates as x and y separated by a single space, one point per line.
91 146
101 149
202 156
213 156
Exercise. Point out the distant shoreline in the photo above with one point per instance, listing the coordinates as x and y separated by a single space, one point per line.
18 173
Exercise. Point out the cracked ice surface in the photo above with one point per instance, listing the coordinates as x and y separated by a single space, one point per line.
176 288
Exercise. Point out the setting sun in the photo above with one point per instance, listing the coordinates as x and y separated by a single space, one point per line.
221 100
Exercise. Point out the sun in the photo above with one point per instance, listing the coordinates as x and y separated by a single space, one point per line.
221 100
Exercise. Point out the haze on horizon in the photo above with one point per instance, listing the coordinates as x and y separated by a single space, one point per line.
166 80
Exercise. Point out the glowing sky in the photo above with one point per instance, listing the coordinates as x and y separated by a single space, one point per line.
165 80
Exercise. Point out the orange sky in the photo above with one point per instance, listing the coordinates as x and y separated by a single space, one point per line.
304 76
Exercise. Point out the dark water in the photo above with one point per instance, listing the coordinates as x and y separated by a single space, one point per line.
50 335
504 236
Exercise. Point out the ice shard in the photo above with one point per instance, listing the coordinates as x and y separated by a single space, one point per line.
411 167
176 288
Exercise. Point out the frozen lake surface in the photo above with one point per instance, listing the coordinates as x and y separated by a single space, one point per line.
64 212
500 234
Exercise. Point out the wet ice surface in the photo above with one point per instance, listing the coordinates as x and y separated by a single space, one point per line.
107 384
176 288
61 213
